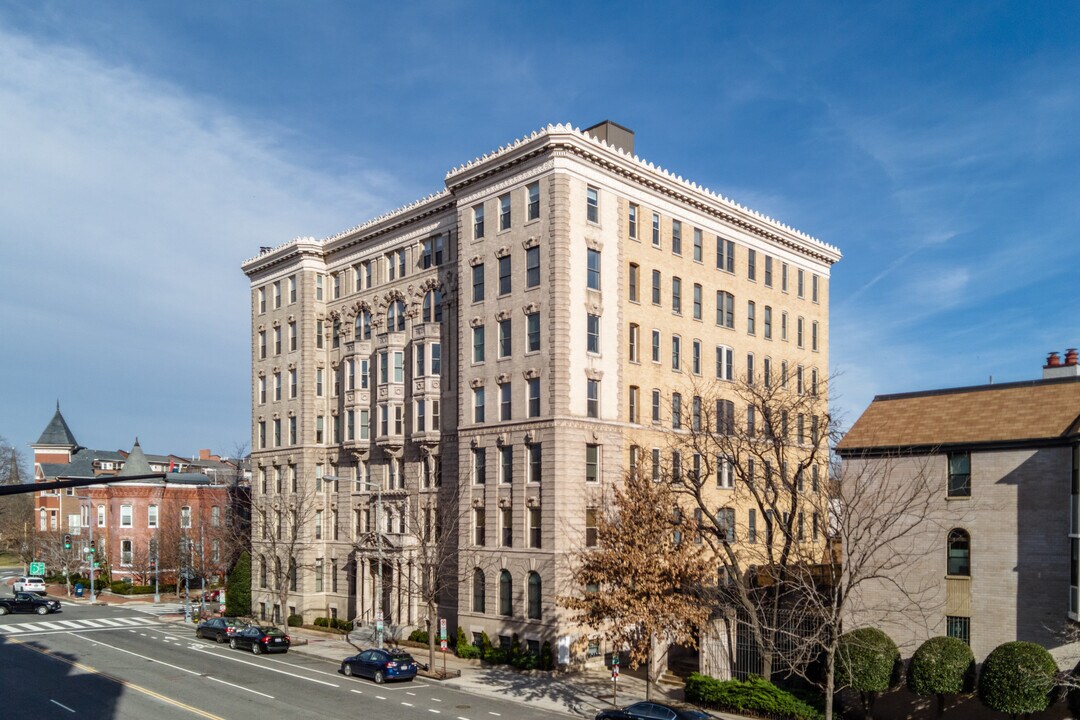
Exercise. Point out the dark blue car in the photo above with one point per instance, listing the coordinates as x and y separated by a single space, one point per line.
381 665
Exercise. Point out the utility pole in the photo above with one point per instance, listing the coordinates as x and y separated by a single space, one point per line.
154 555
93 554
202 562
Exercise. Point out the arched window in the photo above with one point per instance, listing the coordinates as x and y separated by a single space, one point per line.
363 325
479 600
506 589
534 595
433 306
959 552
395 317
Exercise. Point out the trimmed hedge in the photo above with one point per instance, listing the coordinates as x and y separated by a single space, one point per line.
335 623
419 635
1018 678
295 621
866 660
754 695
942 666
121 587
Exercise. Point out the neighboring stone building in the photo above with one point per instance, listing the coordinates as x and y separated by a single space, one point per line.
128 516
999 561
496 348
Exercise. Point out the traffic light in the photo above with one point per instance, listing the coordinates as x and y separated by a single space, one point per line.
67 542
92 548
153 564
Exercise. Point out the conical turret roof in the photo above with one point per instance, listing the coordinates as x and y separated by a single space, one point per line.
57 432
136 463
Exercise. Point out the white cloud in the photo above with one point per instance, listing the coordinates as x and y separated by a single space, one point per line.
127 207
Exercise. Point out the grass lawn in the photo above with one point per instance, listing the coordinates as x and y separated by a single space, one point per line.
10 560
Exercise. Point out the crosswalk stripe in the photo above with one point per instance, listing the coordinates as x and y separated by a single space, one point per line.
110 623
8 629
69 623
52 626
86 623
133 621
29 626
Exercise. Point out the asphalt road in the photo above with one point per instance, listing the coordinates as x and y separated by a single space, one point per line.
105 662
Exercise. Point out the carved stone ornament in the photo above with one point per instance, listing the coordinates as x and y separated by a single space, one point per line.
502 251
476 322
277 322
500 440
594 374
276 416
502 315
533 501
476 383
505 502
291 318
528 438
478 502
291 413
476 260
531 308
532 373
333 412
502 378
292 366
594 308
262 373
474 443
530 242
261 327
593 243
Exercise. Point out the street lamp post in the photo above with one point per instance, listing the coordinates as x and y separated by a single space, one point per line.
93 555
378 552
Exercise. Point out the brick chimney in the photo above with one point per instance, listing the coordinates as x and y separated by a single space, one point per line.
1055 367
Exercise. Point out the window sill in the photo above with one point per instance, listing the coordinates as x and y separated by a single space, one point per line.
962 498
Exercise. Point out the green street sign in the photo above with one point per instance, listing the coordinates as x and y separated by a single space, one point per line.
37 568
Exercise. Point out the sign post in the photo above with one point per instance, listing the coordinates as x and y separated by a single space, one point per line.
615 679
442 643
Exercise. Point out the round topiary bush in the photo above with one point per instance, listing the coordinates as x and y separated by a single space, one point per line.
942 666
1017 678
866 661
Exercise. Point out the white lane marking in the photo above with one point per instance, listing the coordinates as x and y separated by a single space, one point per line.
8 629
110 623
462 718
63 706
436 699
409 693
406 704
380 697
169 637
144 657
433 710
69 623
239 687
225 656
358 692
133 621
29 626
52 626
307 669
86 623
494 713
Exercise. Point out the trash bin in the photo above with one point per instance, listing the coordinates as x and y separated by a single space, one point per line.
78 590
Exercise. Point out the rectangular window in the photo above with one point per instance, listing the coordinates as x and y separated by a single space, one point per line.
592 516
783 326
534 527
657 471
799 283
751 308
504 275
633 276
506 523
318 287
533 191
634 393
725 309
632 221
478 282
960 474
152 516
592 398
750 368
536 462
768 323
724 475
505 338
478 222
532 332
751 526
532 267
725 254
126 552
292 289
799 332
506 402
656 346
534 397
697 245
676 411
697 301
814 288
337 285
592 463
592 202
125 516
655 287
958 627
656 406
478 344
656 229
592 333
478 404
751 264
506 464
676 352
724 363
504 212
676 295
676 237
185 517
814 336
768 271
479 468
695 357
634 337
593 278
479 522
262 299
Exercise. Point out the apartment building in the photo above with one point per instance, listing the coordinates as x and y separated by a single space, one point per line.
490 354
998 558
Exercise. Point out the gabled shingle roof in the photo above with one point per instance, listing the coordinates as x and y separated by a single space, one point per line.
1024 412
57 432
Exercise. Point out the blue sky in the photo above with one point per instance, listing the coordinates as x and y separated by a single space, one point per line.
147 148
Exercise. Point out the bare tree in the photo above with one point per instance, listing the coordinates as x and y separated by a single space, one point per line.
281 523
66 561
16 511
642 582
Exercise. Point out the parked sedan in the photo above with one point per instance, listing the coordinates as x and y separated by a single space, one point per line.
219 629
381 665
651 711
260 640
